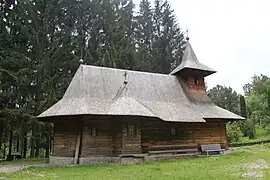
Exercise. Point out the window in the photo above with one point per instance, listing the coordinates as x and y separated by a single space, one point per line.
173 132
196 81
129 130
93 131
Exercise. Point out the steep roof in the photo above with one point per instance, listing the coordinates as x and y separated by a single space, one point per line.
190 61
102 91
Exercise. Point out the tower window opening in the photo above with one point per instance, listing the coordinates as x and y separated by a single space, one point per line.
196 80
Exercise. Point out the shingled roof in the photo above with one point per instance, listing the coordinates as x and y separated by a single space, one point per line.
102 91
190 61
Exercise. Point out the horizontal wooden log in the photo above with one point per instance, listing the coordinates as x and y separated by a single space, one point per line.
173 151
170 146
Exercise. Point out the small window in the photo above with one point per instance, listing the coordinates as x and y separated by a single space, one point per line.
131 129
196 80
93 131
173 131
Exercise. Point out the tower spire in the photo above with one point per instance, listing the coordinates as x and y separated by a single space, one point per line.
190 62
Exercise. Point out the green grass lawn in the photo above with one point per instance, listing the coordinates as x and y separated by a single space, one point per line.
252 160
260 136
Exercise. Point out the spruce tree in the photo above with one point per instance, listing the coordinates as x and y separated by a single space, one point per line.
243 109
246 125
168 40
41 43
268 102
144 36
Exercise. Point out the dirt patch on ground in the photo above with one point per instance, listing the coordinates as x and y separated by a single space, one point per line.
17 167
255 169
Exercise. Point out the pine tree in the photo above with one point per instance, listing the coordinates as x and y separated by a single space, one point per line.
13 72
246 125
144 36
41 43
168 38
268 102
35 49
126 45
243 109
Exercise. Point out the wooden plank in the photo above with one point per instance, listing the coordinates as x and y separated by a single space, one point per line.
78 144
178 146
131 143
173 151
156 132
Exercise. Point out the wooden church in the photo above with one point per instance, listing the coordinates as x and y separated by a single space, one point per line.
115 115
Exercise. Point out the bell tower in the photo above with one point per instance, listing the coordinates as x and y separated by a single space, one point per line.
191 70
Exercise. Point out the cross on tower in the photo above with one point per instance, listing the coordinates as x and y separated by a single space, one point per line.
187 34
125 82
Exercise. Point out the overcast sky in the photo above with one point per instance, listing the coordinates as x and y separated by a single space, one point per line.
230 36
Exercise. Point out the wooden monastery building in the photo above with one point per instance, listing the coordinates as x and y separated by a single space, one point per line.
115 115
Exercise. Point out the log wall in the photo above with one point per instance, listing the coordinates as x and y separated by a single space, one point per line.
98 143
131 143
159 133
65 137
112 137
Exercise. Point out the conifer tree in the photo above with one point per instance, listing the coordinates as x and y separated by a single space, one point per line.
41 43
144 36
243 108
168 38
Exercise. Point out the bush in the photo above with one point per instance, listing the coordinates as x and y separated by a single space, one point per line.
234 132
266 121
249 129
267 129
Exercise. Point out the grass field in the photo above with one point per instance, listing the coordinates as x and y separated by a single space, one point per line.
251 162
260 136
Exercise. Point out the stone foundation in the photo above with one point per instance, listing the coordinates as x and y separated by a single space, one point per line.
95 160
61 161
131 160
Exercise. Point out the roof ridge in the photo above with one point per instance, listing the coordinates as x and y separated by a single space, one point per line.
129 70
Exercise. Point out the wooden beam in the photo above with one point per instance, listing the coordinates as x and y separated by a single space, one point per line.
78 144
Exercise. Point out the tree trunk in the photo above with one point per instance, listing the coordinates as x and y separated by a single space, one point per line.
10 142
1 132
47 153
51 138
21 144
0 143
33 141
18 144
25 146
23 134
4 153
37 140
37 149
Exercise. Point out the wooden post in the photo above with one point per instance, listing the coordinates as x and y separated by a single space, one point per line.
78 144
226 136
